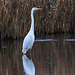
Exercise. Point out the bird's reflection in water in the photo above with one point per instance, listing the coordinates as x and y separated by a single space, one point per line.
29 67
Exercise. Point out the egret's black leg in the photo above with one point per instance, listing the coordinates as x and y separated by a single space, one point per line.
30 52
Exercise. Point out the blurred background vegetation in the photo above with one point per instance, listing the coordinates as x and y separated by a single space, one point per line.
57 16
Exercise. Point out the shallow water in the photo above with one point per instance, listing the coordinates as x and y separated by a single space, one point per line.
53 56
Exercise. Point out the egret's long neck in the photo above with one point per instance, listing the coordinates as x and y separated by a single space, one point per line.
32 22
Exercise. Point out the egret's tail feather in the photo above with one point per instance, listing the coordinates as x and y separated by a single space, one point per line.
24 51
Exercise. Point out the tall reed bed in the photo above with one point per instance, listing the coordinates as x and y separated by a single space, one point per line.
15 17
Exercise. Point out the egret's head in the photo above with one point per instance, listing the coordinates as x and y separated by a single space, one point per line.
34 8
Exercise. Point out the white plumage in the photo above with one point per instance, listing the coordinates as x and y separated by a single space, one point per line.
30 37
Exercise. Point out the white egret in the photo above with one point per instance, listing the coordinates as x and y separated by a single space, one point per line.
30 37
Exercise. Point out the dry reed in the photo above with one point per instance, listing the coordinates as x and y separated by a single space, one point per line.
15 18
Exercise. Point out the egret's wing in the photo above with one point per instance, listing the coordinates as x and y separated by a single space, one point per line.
25 46
27 42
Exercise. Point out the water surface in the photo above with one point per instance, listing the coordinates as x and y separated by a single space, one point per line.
50 56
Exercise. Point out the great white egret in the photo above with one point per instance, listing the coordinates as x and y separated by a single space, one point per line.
29 39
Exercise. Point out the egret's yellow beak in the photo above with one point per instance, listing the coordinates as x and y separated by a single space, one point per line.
39 8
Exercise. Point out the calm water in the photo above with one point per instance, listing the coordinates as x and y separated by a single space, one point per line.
54 56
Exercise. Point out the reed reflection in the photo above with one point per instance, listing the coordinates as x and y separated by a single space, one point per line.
28 65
